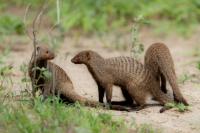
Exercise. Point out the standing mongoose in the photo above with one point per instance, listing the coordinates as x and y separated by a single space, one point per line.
59 83
124 72
159 61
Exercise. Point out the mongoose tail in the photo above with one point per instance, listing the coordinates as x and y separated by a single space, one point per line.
71 96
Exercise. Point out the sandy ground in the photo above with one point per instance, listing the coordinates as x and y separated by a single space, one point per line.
183 55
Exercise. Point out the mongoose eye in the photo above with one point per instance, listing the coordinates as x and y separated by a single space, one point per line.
47 52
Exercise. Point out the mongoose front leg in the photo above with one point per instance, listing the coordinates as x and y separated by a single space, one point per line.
46 91
101 91
163 83
108 89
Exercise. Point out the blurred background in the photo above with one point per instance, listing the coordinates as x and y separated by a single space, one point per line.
102 17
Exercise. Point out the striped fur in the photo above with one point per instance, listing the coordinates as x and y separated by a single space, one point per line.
124 72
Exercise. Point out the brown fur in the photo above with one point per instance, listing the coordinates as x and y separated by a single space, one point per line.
124 72
159 60
60 84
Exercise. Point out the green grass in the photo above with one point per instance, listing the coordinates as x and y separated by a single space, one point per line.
52 117
180 16
11 24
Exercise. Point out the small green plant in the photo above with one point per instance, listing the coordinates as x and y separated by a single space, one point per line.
5 77
184 77
198 65
147 128
5 72
25 80
136 47
24 70
178 106
44 73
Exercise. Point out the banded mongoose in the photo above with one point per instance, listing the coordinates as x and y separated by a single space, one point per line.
159 60
60 83
124 72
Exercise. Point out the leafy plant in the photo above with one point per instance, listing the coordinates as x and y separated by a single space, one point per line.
184 77
44 73
198 65
5 72
137 47
178 106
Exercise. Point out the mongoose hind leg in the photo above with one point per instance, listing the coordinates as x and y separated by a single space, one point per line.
163 83
108 89
139 96
180 99
128 99
160 97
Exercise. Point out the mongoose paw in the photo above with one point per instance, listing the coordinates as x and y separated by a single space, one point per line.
162 110
181 100
107 106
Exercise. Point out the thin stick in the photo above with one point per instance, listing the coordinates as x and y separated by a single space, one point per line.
24 21
58 11
34 32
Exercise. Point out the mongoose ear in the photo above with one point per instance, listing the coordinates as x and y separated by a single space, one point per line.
88 56
37 48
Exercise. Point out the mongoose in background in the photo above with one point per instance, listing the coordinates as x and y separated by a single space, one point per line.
59 84
124 72
159 60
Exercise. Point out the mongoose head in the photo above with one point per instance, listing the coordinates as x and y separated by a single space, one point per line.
85 57
82 57
43 52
